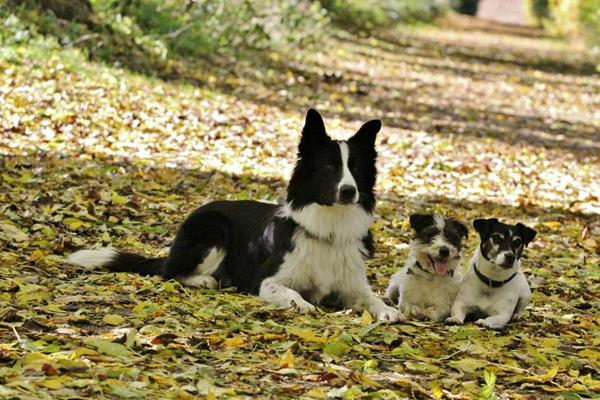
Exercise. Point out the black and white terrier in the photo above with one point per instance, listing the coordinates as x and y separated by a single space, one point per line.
426 286
493 285
310 249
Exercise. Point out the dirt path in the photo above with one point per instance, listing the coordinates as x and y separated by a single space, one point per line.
493 122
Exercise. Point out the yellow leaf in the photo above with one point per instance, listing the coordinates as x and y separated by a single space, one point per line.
436 391
589 354
287 361
116 198
37 255
83 351
316 394
554 225
366 318
234 342
51 383
307 335
35 360
548 376
113 319
211 396
72 222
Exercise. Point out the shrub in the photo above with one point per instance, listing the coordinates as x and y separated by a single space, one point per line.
589 11
366 15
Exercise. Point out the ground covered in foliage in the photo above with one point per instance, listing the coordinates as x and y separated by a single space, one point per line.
476 124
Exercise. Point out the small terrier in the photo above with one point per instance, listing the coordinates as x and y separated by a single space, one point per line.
426 286
493 285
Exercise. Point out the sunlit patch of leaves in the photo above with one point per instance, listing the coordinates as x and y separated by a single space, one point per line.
96 156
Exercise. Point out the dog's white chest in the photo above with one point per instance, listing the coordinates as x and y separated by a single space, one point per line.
317 268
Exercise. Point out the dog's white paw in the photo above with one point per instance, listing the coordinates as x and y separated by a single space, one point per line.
454 320
200 281
490 323
389 314
303 307
518 316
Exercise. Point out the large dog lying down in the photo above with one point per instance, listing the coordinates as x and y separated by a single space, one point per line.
310 250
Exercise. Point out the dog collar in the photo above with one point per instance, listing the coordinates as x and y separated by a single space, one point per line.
489 282
418 265
310 235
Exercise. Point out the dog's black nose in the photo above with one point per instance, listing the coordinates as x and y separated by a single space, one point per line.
444 251
509 258
347 193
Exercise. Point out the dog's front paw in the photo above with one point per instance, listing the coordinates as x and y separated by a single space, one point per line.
490 323
388 314
303 307
518 316
455 320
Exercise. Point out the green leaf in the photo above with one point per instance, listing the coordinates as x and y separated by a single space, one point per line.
110 348
11 233
468 365
113 319
337 348
124 392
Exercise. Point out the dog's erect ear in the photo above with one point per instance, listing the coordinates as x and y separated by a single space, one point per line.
367 133
421 221
460 227
526 233
313 133
484 226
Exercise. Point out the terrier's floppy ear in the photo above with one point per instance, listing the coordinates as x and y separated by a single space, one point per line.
313 133
421 221
526 233
367 133
460 227
483 226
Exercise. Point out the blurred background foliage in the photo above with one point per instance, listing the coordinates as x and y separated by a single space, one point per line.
167 28
145 34
575 19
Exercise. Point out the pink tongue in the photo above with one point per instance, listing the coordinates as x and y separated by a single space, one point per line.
440 267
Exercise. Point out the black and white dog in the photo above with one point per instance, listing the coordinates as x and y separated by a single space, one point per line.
426 286
309 250
494 286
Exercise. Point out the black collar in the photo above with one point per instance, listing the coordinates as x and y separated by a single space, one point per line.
418 265
489 282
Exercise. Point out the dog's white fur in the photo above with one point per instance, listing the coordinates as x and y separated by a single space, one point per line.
328 256
347 178
500 304
202 275
337 223
92 259
426 295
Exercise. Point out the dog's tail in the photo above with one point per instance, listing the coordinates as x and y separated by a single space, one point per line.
117 261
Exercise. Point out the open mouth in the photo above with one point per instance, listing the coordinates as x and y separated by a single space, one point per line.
439 264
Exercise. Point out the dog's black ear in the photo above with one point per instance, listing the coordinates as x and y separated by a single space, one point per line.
421 221
460 227
526 233
367 133
483 226
313 133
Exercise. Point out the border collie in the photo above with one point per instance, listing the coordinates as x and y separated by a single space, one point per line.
310 250
426 286
494 286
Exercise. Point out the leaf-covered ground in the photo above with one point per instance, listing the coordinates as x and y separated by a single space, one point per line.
476 123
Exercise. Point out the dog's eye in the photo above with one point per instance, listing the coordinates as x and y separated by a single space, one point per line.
517 242
497 238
